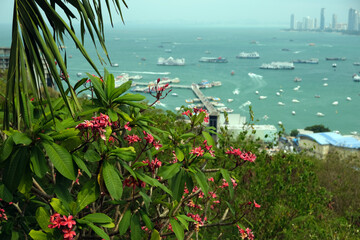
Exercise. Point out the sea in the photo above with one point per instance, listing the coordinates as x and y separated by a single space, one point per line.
136 51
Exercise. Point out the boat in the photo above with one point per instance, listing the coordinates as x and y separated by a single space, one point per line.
262 97
199 38
348 98
309 61
213 60
311 44
325 84
79 74
278 66
356 78
297 79
295 101
168 50
319 114
265 117
280 123
236 92
281 103
225 109
230 100
143 59
335 103
296 88
174 94
356 63
171 61
334 65
253 75
335 58
232 72
354 133
248 55
256 92
325 79
277 93
285 49
189 100
207 52
281 90
114 64
317 96
293 112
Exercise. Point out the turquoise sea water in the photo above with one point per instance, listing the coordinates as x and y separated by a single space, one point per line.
127 46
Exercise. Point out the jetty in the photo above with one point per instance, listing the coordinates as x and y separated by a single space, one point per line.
210 107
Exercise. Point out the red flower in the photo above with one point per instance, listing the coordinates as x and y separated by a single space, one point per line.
197 151
67 221
68 234
256 205
148 137
132 138
127 127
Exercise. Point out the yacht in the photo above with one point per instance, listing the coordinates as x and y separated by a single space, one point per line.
248 55
335 103
310 61
174 94
262 97
293 112
236 92
356 78
296 88
295 101
256 92
171 61
277 93
348 98
325 84
319 114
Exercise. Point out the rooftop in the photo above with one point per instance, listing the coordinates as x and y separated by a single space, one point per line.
331 138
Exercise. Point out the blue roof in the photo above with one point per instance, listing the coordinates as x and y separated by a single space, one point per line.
334 139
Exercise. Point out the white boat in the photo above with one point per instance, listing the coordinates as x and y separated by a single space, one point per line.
277 93
293 112
335 103
348 98
354 133
280 123
296 88
230 100
178 108
171 61
256 92
265 117
325 84
262 97
297 79
325 79
295 101
168 50
248 55
281 90
79 74
114 64
236 92
174 94
356 78
317 96
334 65
281 103
189 100
319 114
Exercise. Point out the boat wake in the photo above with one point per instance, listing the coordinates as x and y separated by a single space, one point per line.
253 75
245 104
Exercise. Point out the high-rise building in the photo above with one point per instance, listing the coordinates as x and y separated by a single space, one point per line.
292 22
353 20
334 21
322 19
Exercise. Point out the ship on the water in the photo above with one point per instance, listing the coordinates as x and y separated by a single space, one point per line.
213 60
248 55
335 58
309 61
278 66
171 61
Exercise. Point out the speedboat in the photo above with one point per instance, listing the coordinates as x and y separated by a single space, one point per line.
262 97
280 123
293 112
319 114
297 79
236 92
348 98
295 101
325 79
325 84
257 92
115 65
356 78
335 103
174 94
230 100
317 96
296 88
277 93
281 103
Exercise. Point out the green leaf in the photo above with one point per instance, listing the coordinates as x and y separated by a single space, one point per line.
112 180
135 227
146 219
179 154
21 138
199 118
80 163
38 235
177 228
25 183
58 206
126 154
98 231
125 223
38 162
124 115
146 198
177 185
88 194
5 194
64 134
153 182
92 156
120 90
183 221
209 139
112 114
61 159
72 143
97 218
155 235
226 176
187 135
7 148
14 168
202 181
169 171
43 218
130 97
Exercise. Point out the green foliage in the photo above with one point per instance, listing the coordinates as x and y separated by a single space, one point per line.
318 128
294 133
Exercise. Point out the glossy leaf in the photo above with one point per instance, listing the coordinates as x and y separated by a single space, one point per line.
226 176
21 138
43 218
125 223
202 181
112 180
80 163
5 194
135 228
177 185
7 148
38 235
177 228
38 162
88 194
58 206
168 171
14 168
130 97
97 218
209 139
155 235
98 231
61 159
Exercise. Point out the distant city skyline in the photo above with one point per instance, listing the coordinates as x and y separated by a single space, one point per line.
255 13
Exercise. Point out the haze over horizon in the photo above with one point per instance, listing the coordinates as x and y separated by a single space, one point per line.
232 13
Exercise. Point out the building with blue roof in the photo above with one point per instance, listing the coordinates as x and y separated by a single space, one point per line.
322 143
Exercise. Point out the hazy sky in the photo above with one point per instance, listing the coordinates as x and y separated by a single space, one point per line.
221 12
